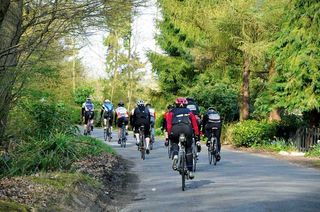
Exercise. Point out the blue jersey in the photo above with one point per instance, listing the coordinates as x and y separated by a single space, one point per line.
107 107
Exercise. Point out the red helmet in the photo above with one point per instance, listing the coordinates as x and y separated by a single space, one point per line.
181 102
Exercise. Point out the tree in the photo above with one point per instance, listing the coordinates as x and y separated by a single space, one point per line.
296 83
28 27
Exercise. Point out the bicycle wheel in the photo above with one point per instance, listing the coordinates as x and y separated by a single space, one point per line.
142 148
215 147
183 174
194 157
170 150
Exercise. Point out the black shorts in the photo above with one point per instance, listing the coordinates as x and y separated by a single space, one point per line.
209 130
110 118
88 115
179 129
122 120
146 129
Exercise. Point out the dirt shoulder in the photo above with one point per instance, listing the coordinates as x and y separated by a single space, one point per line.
98 183
311 162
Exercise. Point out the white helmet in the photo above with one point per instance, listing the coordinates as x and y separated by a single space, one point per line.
107 101
140 103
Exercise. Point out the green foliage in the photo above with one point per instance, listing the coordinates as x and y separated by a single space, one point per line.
276 146
296 84
314 152
49 117
251 133
220 96
57 152
82 93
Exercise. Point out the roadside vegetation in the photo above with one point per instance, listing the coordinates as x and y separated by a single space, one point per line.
256 62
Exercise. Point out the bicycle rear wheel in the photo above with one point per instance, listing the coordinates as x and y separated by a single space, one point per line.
142 148
105 134
215 147
183 174
194 157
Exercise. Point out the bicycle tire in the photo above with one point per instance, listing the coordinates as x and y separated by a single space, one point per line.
215 146
142 147
194 157
105 134
109 132
183 174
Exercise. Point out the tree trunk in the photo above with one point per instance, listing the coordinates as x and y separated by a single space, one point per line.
274 115
10 33
245 93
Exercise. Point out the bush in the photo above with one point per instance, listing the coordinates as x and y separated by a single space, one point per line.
49 117
57 152
314 152
276 145
252 132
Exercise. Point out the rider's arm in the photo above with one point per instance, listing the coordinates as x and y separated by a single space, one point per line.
82 111
194 123
101 113
169 122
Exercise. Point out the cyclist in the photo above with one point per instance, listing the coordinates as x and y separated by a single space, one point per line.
164 124
212 119
87 112
152 113
121 116
141 117
182 120
193 106
107 113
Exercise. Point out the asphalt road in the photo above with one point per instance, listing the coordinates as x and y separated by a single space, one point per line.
239 182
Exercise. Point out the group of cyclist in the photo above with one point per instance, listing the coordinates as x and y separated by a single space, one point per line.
181 117
184 117
142 115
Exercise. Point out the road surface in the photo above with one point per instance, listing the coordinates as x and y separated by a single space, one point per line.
239 182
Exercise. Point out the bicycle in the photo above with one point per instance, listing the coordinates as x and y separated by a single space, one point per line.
142 143
213 148
107 131
123 140
182 164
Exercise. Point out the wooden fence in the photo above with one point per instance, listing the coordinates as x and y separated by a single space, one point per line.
306 138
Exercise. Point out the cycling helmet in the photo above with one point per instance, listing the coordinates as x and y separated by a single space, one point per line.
181 102
212 108
169 107
107 101
88 99
148 105
140 103
121 104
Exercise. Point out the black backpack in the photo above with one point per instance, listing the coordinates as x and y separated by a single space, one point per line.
142 113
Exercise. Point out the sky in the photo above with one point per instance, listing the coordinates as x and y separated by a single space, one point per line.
93 54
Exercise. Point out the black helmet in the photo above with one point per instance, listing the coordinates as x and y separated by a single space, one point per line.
148 105
121 104
169 107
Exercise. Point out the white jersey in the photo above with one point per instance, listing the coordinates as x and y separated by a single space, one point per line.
122 112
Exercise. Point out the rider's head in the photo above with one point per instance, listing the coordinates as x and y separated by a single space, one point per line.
148 105
88 99
107 101
181 102
140 103
121 104
169 107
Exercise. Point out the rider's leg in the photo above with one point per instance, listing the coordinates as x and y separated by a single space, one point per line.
136 133
105 123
